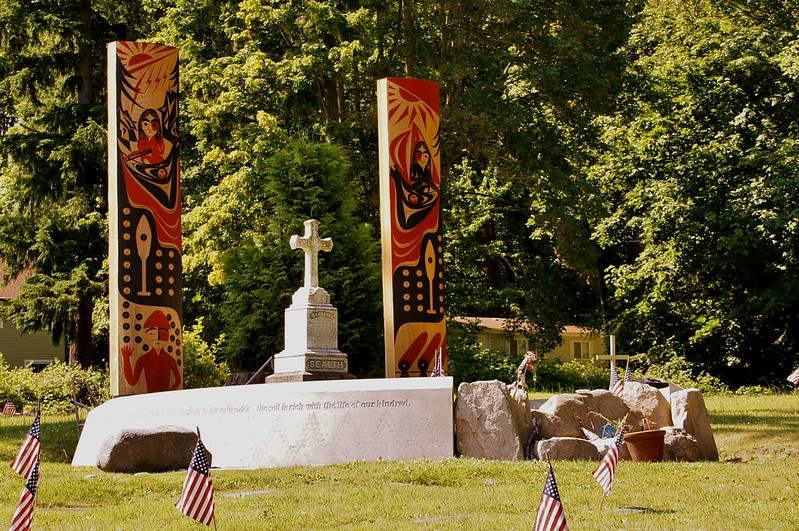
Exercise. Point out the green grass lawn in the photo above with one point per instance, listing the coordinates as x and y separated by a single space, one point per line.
754 486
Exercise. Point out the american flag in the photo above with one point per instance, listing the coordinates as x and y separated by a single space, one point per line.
607 468
9 409
628 375
28 455
438 365
616 383
794 377
197 498
23 516
550 513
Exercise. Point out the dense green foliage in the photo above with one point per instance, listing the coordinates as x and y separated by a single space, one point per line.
52 389
626 165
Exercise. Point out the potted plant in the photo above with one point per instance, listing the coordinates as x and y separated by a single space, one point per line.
645 445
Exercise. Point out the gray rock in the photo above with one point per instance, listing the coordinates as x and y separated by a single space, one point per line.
554 426
689 413
148 450
567 448
649 402
679 445
484 422
605 405
571 413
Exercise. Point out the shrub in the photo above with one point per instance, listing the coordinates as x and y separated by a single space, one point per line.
52 387
680 371
567 376
200 365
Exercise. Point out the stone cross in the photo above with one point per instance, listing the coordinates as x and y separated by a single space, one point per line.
311 243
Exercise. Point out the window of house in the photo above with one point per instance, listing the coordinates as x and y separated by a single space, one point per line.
581 350
37 365
516 346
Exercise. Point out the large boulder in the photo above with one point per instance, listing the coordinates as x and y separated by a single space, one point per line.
158 449
564 416
679 445
484 422
566 448
649 402
554 426
689 413
604 407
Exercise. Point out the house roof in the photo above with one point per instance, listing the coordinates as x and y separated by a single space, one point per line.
498 323
11 289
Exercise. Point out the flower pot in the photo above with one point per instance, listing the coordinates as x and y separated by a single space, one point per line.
645 445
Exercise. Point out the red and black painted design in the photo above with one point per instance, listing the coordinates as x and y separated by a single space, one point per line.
145 218
413 280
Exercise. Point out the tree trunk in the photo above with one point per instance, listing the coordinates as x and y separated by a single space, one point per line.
80 348
85 66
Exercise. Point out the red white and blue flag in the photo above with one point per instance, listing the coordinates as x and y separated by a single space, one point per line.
606 470
794 377
438 365
628 375
9 409
616 383
551 516
28 454
197 498
23 516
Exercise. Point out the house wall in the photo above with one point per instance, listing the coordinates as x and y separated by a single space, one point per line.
17 348
568 351
497 340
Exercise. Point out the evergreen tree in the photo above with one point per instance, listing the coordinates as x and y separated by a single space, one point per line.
53 171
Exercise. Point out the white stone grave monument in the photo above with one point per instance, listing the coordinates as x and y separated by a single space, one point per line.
311 322
294 423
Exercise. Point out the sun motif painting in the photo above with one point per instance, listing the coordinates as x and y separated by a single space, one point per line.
410 210
144 219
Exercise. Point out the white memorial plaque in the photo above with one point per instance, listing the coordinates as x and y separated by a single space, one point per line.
296 423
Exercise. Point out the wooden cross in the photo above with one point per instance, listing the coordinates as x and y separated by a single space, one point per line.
613 357
311 243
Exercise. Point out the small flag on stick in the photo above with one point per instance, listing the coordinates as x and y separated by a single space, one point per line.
9 409
23 516
628 375
616 383
606 470
794 377
197 498
438 365
551 516
28 454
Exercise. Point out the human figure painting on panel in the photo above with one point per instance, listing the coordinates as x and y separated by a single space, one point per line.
150 144
160 370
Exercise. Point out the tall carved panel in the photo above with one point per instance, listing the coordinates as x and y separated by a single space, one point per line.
144 203
410 210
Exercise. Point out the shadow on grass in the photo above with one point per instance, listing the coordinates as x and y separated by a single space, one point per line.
764 421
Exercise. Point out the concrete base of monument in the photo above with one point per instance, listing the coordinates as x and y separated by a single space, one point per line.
295 423
305 376
310 365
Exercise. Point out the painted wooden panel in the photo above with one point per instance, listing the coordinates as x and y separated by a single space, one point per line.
144 219
410 204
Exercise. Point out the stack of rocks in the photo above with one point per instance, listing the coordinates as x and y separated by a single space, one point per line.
492 422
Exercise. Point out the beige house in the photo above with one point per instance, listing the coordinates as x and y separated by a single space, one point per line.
578 343
24 350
